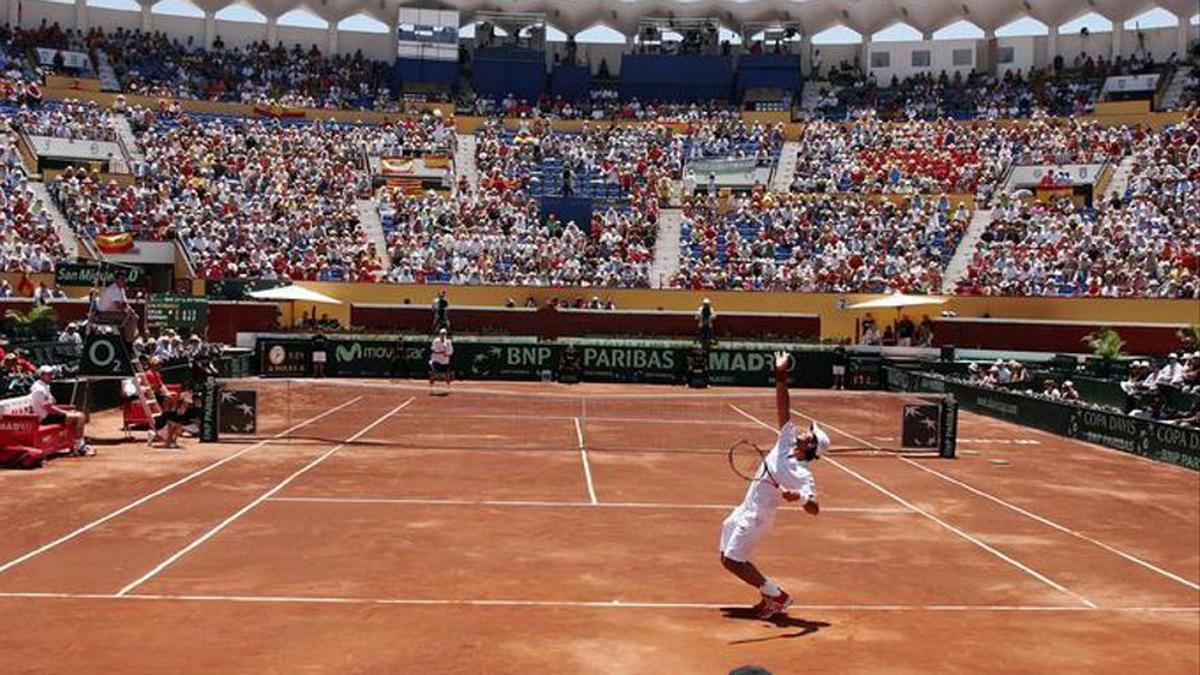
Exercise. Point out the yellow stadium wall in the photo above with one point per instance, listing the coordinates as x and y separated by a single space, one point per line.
835 323
57 88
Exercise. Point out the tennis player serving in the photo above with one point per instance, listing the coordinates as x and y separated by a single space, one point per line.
779 475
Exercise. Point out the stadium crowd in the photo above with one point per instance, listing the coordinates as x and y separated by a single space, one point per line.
153 64
926 97
496 237
920 157
1146 248
69 119
1144 242
246 197
602 105
817 243
28 241
1061 89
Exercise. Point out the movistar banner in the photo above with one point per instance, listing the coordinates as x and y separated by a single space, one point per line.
516 359
1164 442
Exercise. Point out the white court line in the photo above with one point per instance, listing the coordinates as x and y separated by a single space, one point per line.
416 501
736 393
580 604
260 499
165 489
587 468
903 502
1028 514
1050 523
590 418
568 394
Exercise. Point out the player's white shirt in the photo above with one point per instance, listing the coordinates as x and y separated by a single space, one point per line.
441 351
112 298
41 398
763 497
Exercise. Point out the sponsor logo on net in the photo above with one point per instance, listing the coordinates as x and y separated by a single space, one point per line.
357 350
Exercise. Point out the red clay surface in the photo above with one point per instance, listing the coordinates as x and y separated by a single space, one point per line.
471 533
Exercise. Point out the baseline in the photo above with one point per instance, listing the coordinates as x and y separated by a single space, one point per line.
167 488
416 501
614 604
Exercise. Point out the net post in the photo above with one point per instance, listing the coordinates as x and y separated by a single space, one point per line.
948 443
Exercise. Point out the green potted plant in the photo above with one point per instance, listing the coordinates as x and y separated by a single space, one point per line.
1107 349
39 323
1189 337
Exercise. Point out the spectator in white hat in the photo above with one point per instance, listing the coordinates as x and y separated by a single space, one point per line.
1171 372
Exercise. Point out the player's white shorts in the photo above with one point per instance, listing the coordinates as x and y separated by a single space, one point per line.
741 532
839 370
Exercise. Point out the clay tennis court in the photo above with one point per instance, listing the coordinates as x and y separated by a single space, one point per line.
516 528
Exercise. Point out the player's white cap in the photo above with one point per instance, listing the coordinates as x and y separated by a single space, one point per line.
822 439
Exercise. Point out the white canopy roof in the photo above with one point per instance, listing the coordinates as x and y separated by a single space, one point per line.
294 293
898 300
864 16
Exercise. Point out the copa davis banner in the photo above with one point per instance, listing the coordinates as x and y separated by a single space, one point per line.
498 359
1163 442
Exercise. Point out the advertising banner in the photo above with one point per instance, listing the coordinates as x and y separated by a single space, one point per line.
82 274
1113 429
600 361
278 358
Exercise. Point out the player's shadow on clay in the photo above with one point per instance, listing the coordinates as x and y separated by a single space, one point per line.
781 621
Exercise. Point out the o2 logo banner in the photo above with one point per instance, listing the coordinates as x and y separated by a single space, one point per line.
104 355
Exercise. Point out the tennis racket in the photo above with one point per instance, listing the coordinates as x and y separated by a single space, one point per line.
749 462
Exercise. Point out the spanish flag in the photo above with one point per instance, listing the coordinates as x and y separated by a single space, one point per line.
392 167
114 243
25 286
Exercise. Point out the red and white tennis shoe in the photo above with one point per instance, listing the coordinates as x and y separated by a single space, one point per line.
770 605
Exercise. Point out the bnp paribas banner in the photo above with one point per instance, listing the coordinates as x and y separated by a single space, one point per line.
602 361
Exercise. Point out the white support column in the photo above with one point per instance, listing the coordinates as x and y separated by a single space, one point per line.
80 14
210 29
147 19
1051 45
865 59
272 30
1118 32
1181 49
332 42
992 58
14 17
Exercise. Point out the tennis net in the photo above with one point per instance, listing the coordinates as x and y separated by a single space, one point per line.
554 417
